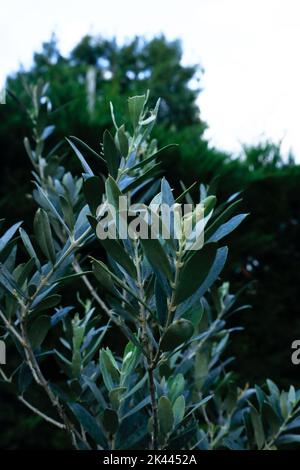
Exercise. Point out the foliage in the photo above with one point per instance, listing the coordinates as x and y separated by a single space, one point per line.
169 387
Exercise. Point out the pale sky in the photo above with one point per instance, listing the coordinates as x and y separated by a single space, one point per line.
248 48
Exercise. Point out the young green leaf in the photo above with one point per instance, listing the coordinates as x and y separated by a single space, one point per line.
113 192
88 148
29 248
93 189
178 410
222 218
67 211
257 427
136 106
227 228
115 396
85 165
165 415
89 424
118 253
152 157
122 141
157 256
38 331
209 203
109 369
194 272
8 235
103 277
48 302
43 234
111 154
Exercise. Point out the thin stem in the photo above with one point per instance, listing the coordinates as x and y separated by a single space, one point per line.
92 291
171 302
154 408
4 376
11 328
145 340
73 246
42 382
109 312
269 444
41 414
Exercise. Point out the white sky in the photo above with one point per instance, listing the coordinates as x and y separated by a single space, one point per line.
248 48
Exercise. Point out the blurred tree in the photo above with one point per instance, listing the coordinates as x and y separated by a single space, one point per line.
96 72
265 157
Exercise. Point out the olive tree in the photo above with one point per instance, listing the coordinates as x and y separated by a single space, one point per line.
171 386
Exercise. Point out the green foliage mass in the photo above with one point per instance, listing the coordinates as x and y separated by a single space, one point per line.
167 385
266 248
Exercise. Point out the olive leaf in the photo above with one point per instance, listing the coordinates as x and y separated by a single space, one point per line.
194 272
43 234
177 333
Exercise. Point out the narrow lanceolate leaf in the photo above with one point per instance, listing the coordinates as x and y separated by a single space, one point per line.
209 204
8 235
288 439
111 154
88 148
122 141
93 189
115 279
67 211
178 410
145 176
103 277
38 331
29 150
185 192
115 396
136 105
85 165
65 280
167 199
113 192
165 415
9 283
227 228
157 256
48 302
43 234
152 157
24 272
109 370
117 252
257 427
89 424
194 272
29 248
47 204
213 274
221 219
